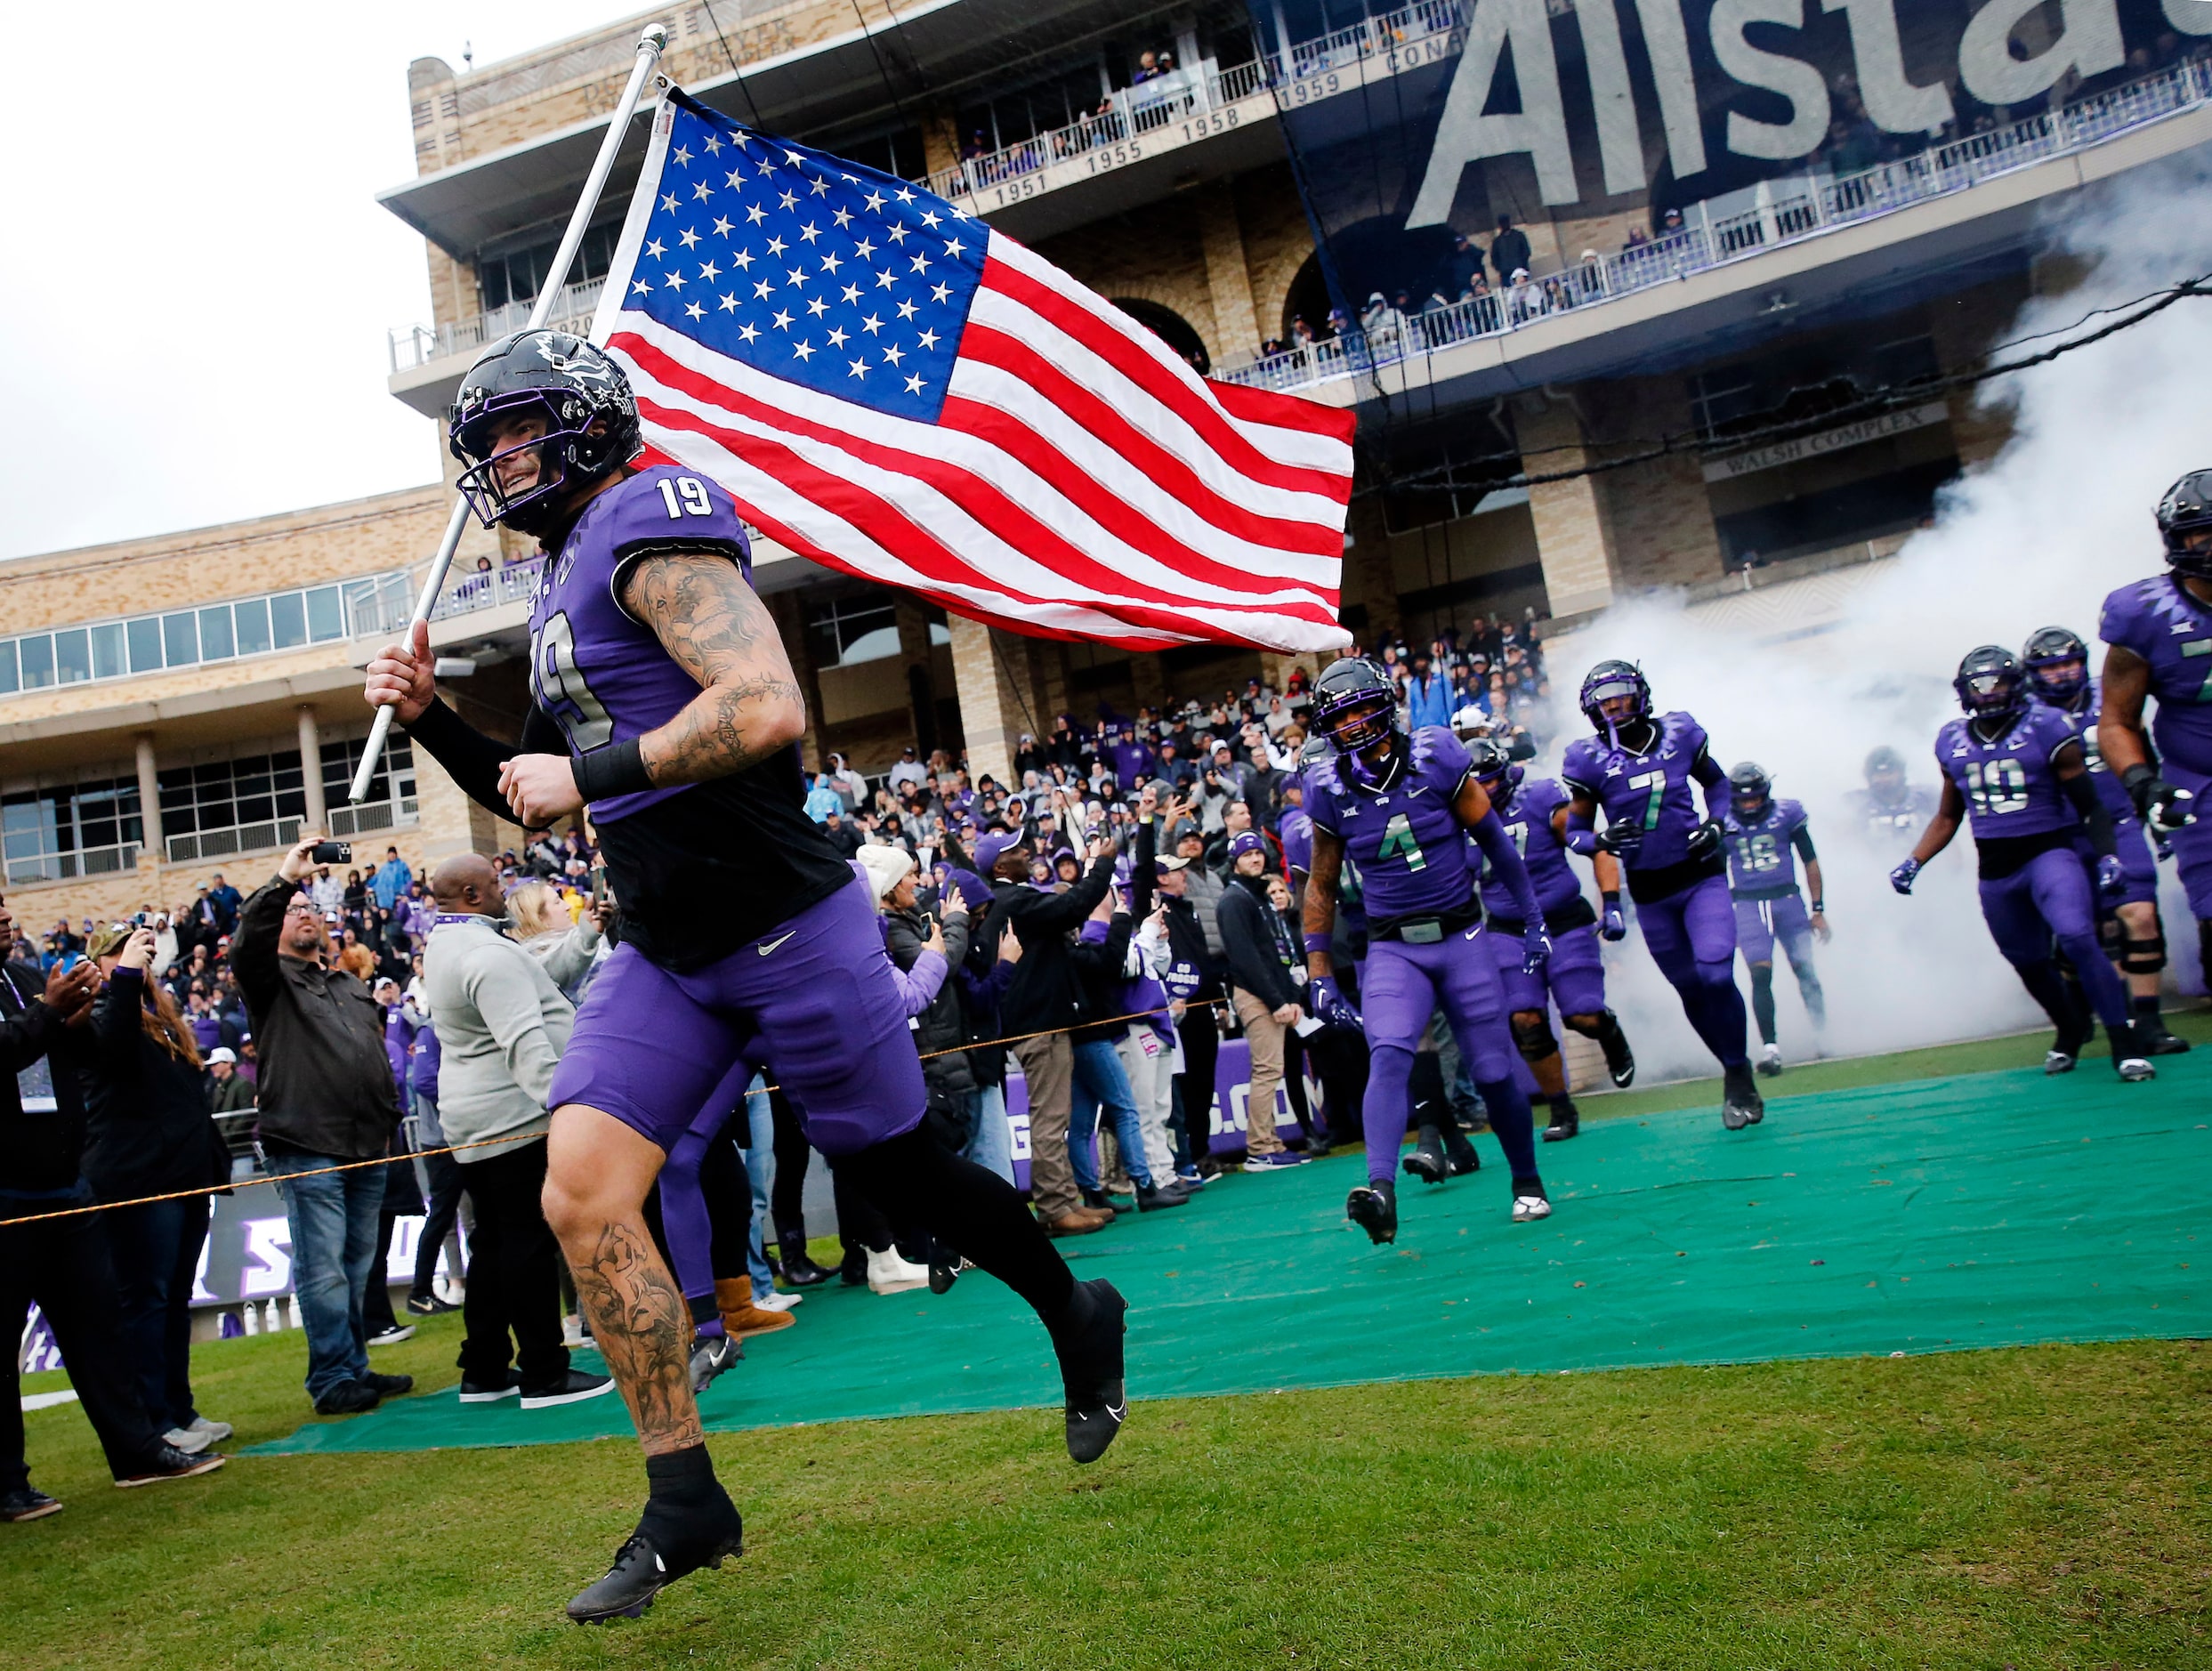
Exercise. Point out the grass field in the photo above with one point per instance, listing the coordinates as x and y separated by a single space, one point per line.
2042 1507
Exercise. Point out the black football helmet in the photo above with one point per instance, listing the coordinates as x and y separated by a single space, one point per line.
2185 510
1610 679
1990 683
2049 652
570 383
1750 787
1495 769
1355 706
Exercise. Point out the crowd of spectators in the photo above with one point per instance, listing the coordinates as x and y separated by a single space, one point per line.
1102 921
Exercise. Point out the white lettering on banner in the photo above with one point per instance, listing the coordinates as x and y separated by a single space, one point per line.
1466 135
1788 78
1667 43
1619 147
1018 1126
267 1240
2191 17
1893 103
2088 40
1833 441
202 1295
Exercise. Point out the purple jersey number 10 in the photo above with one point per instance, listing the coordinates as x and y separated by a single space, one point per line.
1999 787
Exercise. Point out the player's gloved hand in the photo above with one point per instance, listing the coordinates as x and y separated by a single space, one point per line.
1536 949
1623 841
1705 839
2161 805
1902 878
1330 1004
2111 879
1613 923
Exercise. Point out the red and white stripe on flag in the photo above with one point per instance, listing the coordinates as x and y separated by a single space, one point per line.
1080 482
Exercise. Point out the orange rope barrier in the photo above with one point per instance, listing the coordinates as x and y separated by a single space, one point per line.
486 1142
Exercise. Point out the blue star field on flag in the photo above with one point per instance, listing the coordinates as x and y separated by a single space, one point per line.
849 282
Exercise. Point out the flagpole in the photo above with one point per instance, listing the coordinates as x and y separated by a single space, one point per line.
649 46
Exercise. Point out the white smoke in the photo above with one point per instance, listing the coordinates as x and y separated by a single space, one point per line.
2035 537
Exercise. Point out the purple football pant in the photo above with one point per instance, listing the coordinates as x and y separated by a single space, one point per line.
2192 845
1691 936
683 1212
2048 898
1761 923
1574 979
813 1004
1400 988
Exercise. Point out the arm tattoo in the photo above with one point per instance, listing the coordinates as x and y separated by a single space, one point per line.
749 705
643 1326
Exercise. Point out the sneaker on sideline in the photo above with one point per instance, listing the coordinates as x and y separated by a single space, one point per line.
348 1398
1279 1162
572 1388
393 1335
169 1463
489 1392
28 1503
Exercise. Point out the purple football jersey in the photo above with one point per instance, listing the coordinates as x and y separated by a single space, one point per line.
2158 620
1527 816
1405 839
2008 785
600 674
1761 856
1296 831
1655 791
2083 718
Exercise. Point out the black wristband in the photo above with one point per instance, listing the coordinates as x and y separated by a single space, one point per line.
1611 897
610 770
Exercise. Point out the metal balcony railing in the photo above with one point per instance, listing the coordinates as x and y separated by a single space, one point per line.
420 345
1776 213
67 866
388 600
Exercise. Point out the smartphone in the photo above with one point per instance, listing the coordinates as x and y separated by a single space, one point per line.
599 884
332 853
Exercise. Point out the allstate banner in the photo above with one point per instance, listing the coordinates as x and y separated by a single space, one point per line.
1582 120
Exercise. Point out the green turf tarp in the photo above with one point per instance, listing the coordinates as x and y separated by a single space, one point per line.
1991 1209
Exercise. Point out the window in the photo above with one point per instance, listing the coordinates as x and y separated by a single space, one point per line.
517 275
37 662
227 794
215 642
844 631
324 618
145 639
180 639
76 829
107 651
10 673
72 656
253 625
287 620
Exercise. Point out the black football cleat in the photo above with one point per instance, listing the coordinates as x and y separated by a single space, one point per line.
1620 1062
1091 1371
1459 1156
1427 1162
667 1545
1374 1208
2129 1059
1741 1104
712 1356
2153 1039
1566 1122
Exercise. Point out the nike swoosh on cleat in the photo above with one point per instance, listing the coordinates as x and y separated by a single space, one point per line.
765 946
1120 1412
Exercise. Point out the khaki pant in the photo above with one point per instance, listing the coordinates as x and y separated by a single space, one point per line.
1264 1037
1048 1065
1152 1081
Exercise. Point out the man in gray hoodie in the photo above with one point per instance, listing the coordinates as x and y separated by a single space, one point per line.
502 1025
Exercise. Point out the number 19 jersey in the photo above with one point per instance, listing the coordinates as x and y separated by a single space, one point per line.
2008 784
698 869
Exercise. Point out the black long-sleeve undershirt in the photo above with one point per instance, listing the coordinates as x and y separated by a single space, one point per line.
472 760
2082 791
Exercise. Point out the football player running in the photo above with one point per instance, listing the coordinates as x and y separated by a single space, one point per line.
1766 839
1574 975
663 701
1640 768
2057 662
1399 808
2158 635
2016 769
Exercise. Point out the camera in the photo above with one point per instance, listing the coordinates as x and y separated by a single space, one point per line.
332 853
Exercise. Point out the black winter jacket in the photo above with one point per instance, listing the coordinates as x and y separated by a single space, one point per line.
1260 952
147 1126
942 1026
324 1086
1046 991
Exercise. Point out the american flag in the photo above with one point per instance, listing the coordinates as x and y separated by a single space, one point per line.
891 388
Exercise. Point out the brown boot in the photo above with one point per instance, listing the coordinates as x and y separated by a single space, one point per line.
733 1298
1078 1220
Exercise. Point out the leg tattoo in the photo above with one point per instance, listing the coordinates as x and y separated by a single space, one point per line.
643 1328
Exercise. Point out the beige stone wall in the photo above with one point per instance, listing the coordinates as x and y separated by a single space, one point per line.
235 560
1573 540
1659 514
